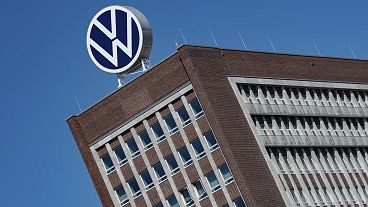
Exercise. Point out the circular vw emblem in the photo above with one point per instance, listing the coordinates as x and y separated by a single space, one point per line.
117 38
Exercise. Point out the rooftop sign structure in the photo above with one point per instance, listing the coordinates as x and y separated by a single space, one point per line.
119 40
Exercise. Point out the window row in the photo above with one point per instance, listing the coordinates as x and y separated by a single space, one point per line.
183 116
183 152
319 160
304 96
293 122
157 132
185 194
276 125
325 196
200 192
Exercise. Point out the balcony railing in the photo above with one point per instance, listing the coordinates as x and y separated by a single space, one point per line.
311 140
297 110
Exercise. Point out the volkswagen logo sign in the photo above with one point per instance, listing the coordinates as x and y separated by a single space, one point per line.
118 38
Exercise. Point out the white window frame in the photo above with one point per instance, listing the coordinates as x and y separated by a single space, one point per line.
231 179
110 169
185 163
162 137
167 200
214 147
215 188
149 186
200 114
186 122
200 155
123 202
135 154
183 199
136 194
204 194
145 147
160 179
123 161
172 171
174 130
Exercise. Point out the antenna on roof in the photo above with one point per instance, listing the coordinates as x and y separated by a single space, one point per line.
182 35
214 40
352 51
177 45
76 100
241 38
273 47
315 45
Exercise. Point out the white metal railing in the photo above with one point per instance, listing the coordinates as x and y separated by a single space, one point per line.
277 109
311 140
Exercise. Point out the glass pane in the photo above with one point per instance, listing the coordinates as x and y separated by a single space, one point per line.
171 125
146 179
145 139
120 155
106 159
197 109
134 186
159 170
186 196
133 147
211 140
183 115
157 131
121 194
173 202
185 156
226 174
199 187
198 148
159 205
239 203
171 162
212 180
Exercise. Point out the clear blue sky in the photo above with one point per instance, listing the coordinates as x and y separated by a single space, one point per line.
44 64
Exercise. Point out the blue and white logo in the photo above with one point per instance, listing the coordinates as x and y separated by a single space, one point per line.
116 38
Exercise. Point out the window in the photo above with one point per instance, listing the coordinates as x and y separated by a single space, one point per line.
201 193
170 124
212 181
147 180
226 174
294 196
198 148
159 171
183 115
172 201
146 141
211 140
133 148
159 205
196 108
320 197
157 131
185 157
173 165
239 203
120 155
122 196
134 187
109 165
185 195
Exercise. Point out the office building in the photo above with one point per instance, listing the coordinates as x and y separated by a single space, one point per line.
219 127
